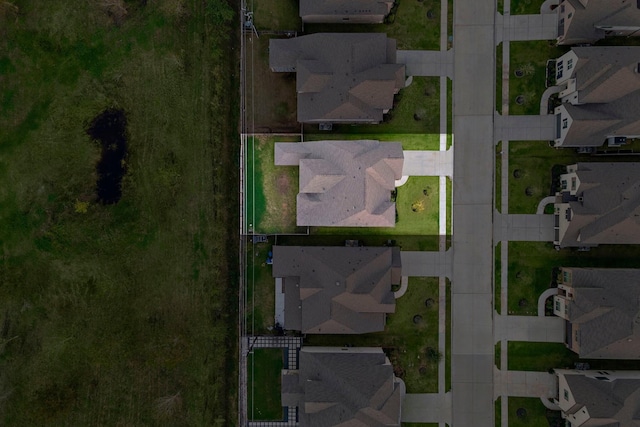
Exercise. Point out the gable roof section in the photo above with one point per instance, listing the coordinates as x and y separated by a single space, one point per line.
344 183
594 123
586 21
609 209
336 289
604 74
347 387
359 11
605 306
341 77
612 403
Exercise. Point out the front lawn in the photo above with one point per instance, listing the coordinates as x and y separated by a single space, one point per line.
529 58
527 412
264 367
539 356
526 7
410 332
531 265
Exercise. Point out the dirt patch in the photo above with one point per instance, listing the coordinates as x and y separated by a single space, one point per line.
283 183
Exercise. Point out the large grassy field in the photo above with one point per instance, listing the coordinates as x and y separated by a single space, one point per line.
405 340
119 314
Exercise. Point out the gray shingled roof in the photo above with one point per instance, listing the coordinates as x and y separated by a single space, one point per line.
347 386
593 123
344 183
604 74
589 17
341 77
604 309
355 11
616 402
336 290
609 211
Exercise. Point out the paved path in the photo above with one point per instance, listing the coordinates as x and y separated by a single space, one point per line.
544 101
529 328
524 384
543 204
525 128
427 408
428 163
472 346
542 300
426 264
404 285
426 62
528 228
526 27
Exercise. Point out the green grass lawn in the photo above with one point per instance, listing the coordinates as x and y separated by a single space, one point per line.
276 15
499 78
497 357
260 289
409 25
532 412
497 278
498 411
409 141
119 314
270 190
417 211
530 57
531 265
264 367
447 373
498 178
404 340
449 113
526 7
416 110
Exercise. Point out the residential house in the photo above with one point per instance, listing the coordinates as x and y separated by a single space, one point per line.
335 290
587 21
343 387
599 398
344 183
601 307
600 94
340 78
345 11
599 203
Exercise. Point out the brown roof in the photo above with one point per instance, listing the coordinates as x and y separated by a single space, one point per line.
341 78
604 74
586 21
336 290
606 206
344 183
345 11
344 386
603 310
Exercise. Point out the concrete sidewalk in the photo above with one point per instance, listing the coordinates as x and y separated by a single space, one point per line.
525 128
426 62
426 264
529 328
528 228
524 384
428 163
427 408
526 27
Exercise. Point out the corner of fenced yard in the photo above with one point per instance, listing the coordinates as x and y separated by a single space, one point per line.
276 15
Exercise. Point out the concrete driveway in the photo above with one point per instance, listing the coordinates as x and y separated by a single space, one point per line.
428 163
426 62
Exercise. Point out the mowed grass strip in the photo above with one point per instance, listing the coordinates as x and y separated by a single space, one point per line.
264 368
409 334
118 314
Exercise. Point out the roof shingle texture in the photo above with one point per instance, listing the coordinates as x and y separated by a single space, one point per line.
606 309
337 290
344 183
346 387
341 77
365 11
583 25
609 211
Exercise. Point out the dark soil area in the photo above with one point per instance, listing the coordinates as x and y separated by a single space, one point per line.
109 129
